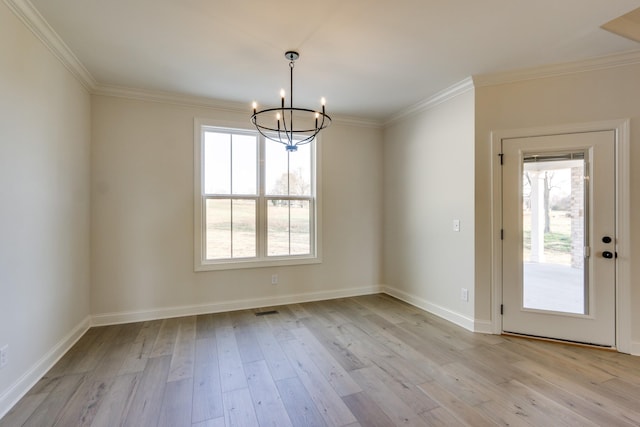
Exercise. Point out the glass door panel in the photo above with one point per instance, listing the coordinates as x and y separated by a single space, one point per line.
554 234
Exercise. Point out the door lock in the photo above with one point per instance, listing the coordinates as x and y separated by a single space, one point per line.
606 239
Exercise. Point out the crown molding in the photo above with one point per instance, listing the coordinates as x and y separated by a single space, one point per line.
493 79
203 102
168 98
358 121
30 16
553 70
444 95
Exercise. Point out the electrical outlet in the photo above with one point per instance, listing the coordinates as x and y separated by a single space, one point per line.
456 225
3 356
464 294
274 279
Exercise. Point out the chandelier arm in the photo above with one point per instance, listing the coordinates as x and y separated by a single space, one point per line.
279 139
325 122
279 136
306 140
268 137
286 131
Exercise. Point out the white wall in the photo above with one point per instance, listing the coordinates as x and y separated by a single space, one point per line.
429 176
612 93
142 217
44 207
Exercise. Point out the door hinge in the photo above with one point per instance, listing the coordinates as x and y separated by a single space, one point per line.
501 155
502 234
587 251
501 309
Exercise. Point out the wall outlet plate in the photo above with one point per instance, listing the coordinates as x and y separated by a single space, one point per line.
274 279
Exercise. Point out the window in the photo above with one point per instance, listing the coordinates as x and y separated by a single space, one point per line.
256 203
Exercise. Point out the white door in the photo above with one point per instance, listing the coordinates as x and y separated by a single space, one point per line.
559 238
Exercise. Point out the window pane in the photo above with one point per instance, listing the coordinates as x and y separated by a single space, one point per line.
300 214
217 163
230 229
245 163
278 228
300 171
244 228
287 173
276 169
218 229
289 227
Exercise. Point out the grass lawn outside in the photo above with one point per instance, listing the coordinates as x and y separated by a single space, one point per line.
288 229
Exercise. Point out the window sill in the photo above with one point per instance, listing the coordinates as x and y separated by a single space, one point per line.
236 265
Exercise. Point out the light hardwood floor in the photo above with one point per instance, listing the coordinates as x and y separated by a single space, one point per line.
368 361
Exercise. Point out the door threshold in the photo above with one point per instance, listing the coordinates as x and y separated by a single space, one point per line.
560 341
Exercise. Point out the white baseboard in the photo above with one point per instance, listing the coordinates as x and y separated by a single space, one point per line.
18 389
243 304
635 348
483 327
451 316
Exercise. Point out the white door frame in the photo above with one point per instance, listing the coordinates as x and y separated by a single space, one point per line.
623 227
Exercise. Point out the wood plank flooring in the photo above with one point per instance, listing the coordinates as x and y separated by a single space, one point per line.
364 361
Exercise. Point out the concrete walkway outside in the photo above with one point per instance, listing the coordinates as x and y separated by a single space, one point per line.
553 287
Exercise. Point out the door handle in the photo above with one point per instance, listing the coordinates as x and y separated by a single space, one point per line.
607 254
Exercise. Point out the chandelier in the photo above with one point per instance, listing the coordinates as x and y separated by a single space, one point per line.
289 125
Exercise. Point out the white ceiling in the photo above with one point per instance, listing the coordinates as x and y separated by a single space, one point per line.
369 58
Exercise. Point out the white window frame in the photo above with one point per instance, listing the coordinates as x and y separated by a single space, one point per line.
261 260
